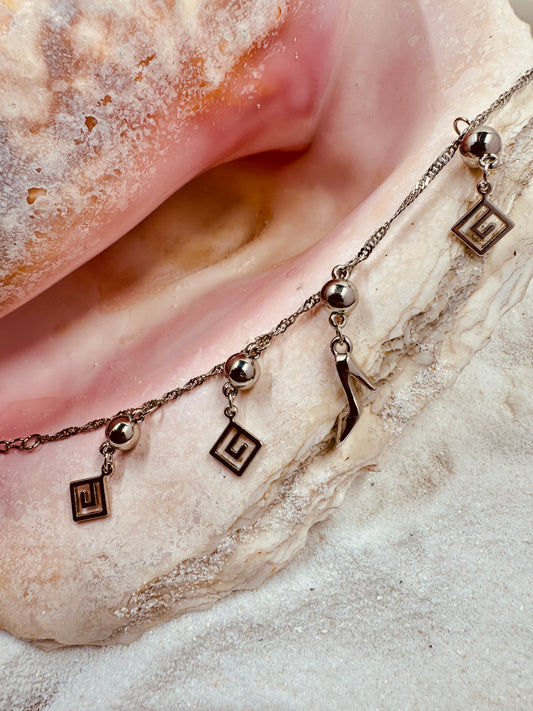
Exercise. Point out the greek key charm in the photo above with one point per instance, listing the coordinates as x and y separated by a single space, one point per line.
88 499
236 447
339 297
484 224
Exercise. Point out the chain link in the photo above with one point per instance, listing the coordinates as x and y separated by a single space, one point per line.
522 81
230 391
107 450
24 443
262 342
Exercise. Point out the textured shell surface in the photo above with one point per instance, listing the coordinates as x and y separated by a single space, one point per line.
177 178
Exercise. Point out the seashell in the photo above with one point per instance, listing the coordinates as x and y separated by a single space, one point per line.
105 115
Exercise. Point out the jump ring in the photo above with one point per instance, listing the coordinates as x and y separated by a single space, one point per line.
229 390
337 320
484 187
340 272
252 351
456 122
107 449
344 343
108 468
489 161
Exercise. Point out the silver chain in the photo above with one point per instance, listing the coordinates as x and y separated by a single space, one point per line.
107 450
262 342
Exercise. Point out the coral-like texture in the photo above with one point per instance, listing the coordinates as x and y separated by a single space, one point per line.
365 98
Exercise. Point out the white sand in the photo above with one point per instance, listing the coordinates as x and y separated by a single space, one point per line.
416 594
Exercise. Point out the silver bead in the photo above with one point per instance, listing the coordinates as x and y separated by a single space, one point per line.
122 433
339 295
478 142
242 371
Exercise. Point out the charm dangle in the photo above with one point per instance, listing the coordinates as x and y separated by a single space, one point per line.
348 371
484 224
339 296
88 497
236 447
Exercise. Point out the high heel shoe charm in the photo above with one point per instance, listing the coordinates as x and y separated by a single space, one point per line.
339 297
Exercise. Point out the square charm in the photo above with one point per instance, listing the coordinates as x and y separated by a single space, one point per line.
88 499
235 448
482 226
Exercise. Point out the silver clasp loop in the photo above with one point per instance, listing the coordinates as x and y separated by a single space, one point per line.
461 119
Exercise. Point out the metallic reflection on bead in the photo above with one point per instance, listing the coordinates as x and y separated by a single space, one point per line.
339 295
242 371
122 432
479 142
